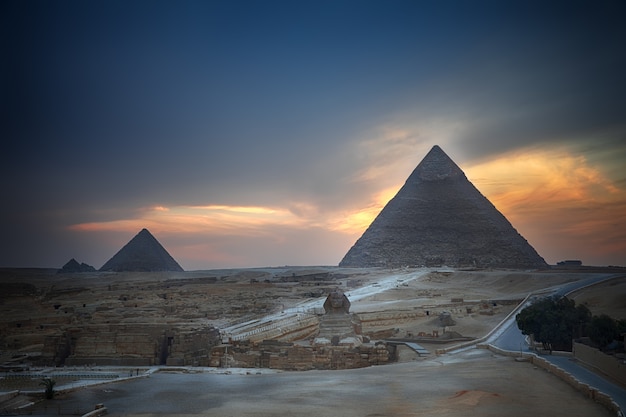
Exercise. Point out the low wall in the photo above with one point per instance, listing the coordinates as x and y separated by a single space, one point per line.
540 362
6 396
606 364
107 361
289 327
78 386
286 356
99 411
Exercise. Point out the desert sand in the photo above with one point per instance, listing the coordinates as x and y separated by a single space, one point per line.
476 382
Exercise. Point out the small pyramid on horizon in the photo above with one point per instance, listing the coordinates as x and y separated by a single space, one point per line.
439 218
72 266
143 253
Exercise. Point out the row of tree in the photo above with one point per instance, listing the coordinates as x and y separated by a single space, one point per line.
556 321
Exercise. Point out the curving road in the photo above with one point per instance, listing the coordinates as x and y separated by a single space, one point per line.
509 337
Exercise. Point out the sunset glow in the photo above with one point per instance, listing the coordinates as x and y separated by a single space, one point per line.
272 134
355 222
242 220
213 219
561 204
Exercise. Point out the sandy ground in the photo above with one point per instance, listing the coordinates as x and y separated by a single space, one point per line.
475 383
606 298
502 289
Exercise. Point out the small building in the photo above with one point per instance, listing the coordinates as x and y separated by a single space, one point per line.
570 262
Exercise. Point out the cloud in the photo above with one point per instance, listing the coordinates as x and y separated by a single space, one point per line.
385 155
564 206
213 219
385 152
237 236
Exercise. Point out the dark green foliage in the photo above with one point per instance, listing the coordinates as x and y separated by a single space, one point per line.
49 383
553 321
603 330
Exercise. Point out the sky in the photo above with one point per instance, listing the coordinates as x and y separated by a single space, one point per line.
271 133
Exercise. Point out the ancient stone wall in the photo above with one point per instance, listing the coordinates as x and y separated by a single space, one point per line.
287 356
607 364
130 345
289 328
192 348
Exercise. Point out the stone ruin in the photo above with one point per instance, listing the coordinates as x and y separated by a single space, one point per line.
338 344
144 344
129 319
338 326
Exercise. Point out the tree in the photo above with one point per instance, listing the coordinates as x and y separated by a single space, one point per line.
553 321
603 330
49 383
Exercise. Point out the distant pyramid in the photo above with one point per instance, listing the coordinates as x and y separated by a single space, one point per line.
142 254
72 266
439 218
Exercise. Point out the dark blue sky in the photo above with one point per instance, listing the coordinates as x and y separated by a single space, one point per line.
311 109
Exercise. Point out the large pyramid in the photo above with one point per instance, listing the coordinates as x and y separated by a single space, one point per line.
439 218
143 254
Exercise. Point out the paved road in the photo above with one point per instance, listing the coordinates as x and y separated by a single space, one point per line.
590 378
510 338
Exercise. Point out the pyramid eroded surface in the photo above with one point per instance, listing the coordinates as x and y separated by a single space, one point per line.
439 218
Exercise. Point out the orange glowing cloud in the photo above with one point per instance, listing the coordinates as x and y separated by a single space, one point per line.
565 207
213 219
243 220
562 205
355 222
243 236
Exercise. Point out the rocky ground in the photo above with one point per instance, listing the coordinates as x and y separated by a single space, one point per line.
606 298
476 383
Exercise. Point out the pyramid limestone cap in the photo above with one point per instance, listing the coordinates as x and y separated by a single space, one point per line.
436 165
